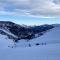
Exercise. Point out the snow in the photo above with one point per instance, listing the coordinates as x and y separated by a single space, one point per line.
5 42
50 51
50 37
9 33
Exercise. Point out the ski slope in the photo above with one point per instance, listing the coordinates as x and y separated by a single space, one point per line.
50 51
50 37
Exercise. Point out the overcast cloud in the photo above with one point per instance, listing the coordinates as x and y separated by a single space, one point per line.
35 8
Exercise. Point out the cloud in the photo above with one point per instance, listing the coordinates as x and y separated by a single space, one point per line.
32 8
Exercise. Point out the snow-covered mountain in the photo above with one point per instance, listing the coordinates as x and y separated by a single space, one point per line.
30 35
17 32
52 36
44 47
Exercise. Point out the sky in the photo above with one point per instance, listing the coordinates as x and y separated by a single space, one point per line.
30 12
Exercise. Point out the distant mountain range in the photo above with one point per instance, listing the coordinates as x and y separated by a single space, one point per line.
17 32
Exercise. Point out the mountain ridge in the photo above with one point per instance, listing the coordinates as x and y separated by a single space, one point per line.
23 31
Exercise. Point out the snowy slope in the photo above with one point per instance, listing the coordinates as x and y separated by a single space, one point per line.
5 42
52 36
50 51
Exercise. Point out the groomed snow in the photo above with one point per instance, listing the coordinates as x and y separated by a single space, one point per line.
48 52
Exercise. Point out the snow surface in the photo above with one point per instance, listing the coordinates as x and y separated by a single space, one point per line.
5 42
50 51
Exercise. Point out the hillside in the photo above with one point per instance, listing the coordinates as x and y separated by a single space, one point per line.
5 42
18 32
44 47
50 37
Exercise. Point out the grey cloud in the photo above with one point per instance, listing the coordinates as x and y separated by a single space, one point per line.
45 8
56 1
